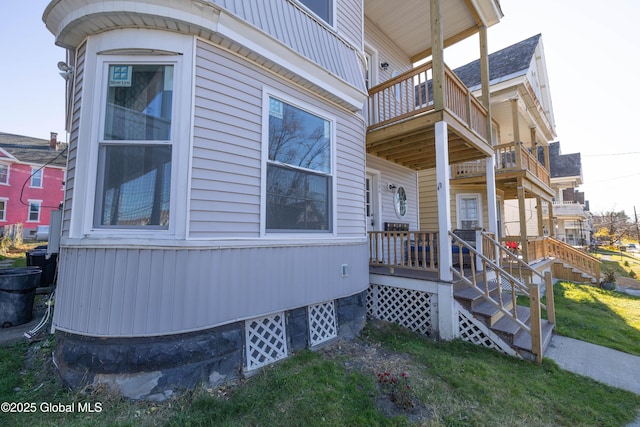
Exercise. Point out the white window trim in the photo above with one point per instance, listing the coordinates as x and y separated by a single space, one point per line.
268 92
459 198
92 127
8 173
4 211
34 202
36 170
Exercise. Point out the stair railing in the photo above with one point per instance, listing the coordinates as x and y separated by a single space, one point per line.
576 258
516 277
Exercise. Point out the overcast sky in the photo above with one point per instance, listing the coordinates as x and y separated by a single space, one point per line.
592 51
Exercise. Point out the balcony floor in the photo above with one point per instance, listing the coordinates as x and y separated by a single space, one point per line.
411 143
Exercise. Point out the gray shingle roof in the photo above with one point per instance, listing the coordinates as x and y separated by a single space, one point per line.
33 150
505 63
562 165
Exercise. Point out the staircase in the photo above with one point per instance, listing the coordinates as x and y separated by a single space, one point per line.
504 326
564 271
489 296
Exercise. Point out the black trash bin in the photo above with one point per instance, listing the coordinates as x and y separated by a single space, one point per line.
38 258
17 292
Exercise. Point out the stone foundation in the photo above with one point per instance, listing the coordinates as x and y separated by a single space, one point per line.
153 367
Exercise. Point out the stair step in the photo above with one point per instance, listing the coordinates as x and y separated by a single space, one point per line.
471 298
522 340
507 327
489 313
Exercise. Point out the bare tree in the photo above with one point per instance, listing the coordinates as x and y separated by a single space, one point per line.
613 226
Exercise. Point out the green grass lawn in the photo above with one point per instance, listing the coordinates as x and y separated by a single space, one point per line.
454 383
607 318
622 263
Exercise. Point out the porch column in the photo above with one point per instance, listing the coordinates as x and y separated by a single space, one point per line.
516 132
523 222
437 56
552 230
490 173
534 150
545 149
540 218
443 191
484 79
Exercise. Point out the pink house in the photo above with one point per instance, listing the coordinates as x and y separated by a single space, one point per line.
32 173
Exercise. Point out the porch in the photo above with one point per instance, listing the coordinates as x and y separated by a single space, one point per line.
479 305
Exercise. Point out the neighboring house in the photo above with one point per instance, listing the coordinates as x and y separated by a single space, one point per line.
244 182
32 172
571 216
523 124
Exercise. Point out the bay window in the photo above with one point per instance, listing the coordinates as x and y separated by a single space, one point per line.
135 151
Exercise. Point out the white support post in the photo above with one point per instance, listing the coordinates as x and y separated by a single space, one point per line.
492 202
447 315
479 250
443 176
491 194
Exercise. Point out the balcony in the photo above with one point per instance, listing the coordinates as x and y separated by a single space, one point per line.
569 209
513 162
402 115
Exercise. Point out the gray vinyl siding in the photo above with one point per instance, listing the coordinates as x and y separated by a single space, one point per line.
391 173
349 20
387 52
73 138
289 24
227 149
141 292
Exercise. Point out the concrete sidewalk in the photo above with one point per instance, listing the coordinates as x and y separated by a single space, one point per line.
611 367
603 364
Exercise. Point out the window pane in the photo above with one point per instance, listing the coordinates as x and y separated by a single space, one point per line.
139 102
298 138
36 178
135 186
469 215
3 210
4 174
297 200
322 8
34 212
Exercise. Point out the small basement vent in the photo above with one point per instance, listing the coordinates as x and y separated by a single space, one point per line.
266 340
322 322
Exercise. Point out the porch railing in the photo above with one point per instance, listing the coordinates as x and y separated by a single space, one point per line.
510 275
411 93
515 157
576 258
415 250
507 160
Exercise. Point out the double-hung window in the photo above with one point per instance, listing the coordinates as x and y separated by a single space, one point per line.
3 208
135 149
36 177
299 170
34 210
4 173
469 211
